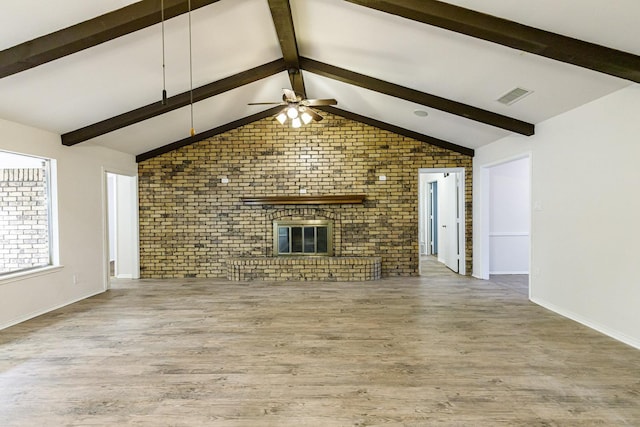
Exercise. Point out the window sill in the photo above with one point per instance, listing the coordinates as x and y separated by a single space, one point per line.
24 275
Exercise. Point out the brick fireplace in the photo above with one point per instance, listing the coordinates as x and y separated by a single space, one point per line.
195 218
297 253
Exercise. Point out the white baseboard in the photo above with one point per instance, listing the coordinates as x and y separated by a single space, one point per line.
45 311
617 335
509 272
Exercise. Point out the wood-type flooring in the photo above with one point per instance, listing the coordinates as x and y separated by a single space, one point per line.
438 350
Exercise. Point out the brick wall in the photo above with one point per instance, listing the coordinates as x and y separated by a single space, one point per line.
191 222
24 233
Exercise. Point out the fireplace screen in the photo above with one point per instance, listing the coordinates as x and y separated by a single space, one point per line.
312 237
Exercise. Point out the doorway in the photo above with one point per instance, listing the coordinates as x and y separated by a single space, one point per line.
442 217
122 249
505 239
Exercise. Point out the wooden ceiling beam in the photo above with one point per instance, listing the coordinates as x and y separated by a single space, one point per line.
90 33
283 21
400 131
173 103
208 134
412 95
512 34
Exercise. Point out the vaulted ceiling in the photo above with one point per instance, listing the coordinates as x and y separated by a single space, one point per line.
93 71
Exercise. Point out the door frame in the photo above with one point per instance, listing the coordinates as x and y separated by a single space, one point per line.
432 218
482 237
461 203
134 218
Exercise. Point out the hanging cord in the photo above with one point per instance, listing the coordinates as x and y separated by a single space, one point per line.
164 73
193 131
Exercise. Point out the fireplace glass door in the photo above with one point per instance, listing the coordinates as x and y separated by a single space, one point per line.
312 237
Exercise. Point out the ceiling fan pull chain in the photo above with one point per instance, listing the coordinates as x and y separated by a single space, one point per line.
164 74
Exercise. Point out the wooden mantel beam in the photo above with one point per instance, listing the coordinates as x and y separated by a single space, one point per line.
305 200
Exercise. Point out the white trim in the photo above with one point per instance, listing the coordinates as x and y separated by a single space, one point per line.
105 230
45 311
51 173
507 272
54 224
595 326
508 234
510 159
440 170
24 275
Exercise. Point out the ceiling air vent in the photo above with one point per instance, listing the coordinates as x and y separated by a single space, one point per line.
514 96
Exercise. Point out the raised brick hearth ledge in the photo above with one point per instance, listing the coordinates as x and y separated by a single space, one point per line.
339 269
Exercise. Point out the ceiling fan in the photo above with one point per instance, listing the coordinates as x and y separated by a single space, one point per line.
297 109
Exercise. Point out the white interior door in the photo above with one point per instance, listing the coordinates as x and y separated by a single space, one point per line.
449 216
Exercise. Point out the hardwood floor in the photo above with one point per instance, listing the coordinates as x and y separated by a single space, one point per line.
436 350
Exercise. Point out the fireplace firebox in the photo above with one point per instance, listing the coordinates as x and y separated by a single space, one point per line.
303 238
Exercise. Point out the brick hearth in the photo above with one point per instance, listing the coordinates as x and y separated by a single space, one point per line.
341 269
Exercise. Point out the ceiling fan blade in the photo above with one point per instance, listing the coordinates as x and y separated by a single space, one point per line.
266 103
289 96
314 115
319 102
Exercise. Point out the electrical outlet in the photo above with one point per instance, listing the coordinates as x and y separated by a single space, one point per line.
75 279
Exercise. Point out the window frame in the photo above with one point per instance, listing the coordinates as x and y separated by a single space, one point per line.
51 204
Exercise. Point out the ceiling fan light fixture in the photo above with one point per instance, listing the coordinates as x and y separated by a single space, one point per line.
292 112
281 118
297 111
306 118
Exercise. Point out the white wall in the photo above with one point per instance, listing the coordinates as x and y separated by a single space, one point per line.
509 217
585 201
80 219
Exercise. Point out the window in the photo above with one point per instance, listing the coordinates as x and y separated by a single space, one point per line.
302 237
26 230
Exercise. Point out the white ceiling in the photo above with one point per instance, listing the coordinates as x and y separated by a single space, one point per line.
45 18
232 36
